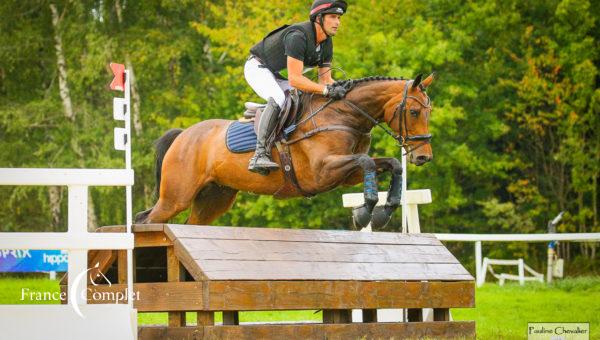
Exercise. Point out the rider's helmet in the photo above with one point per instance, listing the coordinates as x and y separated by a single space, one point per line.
320 7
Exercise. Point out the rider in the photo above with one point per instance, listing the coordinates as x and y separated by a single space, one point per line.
307 44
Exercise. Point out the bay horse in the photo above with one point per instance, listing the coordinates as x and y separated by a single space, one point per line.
329 148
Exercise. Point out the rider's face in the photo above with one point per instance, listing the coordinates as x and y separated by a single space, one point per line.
331 23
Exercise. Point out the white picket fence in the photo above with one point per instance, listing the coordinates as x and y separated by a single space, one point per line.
118 321
502 277
479 238
77 319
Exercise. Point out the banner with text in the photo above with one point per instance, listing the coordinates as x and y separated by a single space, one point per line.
24 260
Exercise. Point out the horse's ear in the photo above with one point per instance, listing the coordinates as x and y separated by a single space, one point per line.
417 81
425 83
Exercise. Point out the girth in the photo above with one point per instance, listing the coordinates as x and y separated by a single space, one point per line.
287 164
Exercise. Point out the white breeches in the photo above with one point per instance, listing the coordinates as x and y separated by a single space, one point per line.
264 82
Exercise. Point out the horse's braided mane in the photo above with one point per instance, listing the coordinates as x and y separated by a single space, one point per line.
350 83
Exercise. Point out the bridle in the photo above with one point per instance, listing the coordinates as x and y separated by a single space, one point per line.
400 111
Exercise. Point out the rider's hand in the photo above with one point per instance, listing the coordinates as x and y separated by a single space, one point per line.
335 91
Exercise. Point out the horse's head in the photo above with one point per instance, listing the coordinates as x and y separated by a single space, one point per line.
407 113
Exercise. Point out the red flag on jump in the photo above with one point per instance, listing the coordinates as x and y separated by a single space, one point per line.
118 83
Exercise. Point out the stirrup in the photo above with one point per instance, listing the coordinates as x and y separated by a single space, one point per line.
263 161
263 169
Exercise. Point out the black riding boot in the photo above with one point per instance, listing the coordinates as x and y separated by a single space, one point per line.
261 161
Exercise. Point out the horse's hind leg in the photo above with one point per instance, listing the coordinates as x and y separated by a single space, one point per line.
176 195
210 203
164 210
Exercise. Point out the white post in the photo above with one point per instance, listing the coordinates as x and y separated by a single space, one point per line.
521 272
478 268
404 200
549 269
414 227
128 191
77 226
481 278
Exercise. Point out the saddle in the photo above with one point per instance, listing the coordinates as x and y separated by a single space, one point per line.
287 116
286 124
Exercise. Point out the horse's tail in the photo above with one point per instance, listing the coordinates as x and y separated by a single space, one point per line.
162 145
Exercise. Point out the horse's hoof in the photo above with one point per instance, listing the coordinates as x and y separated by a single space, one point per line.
361 216
381 217
140 218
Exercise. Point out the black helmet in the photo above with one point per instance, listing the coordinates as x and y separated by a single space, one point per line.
327 7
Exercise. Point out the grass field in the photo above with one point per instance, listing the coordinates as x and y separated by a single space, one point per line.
500 313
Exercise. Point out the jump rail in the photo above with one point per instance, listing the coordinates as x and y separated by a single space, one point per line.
50 320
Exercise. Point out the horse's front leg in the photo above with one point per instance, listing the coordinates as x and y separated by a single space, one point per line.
337 169
362 214
382 215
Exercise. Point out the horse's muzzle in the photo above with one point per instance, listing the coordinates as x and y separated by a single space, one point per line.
419 159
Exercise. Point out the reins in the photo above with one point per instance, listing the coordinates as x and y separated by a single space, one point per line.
400 111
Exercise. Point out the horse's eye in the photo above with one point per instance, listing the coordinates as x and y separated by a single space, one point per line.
415 113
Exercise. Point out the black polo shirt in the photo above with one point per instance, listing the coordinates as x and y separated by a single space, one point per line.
295 46
297 41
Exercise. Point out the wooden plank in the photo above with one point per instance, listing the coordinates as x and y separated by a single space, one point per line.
188 262
285 295
153 297
100 261
337 315
175 273
122 266
151 239
205 319
290 270
170 333
299 235
258 250
139 228
145 235
429 330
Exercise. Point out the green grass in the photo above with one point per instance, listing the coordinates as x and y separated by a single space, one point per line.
11 290
500 313
503 312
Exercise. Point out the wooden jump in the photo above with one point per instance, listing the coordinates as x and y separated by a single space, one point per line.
232 269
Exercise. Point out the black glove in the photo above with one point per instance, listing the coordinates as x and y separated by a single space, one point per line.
336 91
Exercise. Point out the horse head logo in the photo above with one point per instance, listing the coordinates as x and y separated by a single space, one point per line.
94 273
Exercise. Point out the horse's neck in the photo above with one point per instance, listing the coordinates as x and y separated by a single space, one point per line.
370 98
